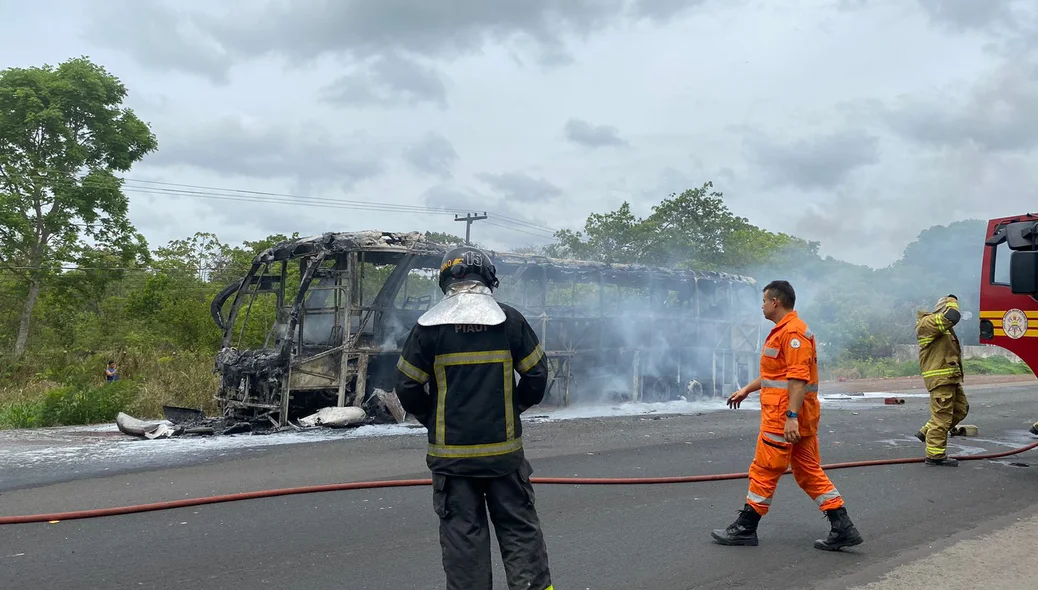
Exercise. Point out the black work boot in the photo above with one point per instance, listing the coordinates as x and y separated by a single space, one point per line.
921 435
945 462
741 532
1034 430
843 534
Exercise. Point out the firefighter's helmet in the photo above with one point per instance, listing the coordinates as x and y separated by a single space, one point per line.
466 263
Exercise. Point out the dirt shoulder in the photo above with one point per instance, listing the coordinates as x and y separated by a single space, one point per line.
909 383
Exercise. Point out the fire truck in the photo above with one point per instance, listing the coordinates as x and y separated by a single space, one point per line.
1009 288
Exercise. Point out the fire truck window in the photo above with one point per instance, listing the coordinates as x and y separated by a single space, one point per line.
1000 275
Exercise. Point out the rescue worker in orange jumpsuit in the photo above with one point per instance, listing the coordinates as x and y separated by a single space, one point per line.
789 427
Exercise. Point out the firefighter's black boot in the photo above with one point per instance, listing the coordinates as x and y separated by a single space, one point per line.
921 435
741 532
1034 429
843 534
945 462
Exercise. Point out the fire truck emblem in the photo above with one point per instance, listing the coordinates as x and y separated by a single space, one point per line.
1014 323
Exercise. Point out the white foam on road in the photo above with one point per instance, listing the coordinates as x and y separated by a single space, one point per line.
81 444
632 409
104 443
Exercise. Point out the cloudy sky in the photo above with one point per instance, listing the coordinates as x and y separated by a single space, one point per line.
856 123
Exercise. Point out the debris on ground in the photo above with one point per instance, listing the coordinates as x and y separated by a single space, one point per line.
153 430
381 407
335 417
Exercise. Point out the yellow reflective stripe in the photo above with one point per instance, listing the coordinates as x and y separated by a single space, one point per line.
412 371
939 372
939 320
531 359
924 341
441 361
935 450
484 450
509 409
472 358
952 304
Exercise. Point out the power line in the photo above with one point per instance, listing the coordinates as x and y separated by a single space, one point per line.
156 187
358 204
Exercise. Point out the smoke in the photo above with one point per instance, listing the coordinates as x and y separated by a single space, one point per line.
622 334
858 313
637 334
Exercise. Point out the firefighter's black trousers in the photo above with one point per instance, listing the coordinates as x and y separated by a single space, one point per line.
462 504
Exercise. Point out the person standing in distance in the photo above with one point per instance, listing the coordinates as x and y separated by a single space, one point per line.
940 362
790 411
457 377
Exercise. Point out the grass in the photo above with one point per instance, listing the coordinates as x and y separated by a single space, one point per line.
78 394
888 367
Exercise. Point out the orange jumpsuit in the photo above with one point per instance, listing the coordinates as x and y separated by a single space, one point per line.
789 353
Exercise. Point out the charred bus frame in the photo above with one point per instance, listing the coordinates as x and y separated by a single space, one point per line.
611 332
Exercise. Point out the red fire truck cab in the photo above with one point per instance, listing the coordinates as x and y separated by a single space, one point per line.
1009 287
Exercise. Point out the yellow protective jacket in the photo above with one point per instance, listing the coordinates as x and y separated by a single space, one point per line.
940 356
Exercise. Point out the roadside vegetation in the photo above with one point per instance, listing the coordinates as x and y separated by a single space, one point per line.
890 368
80 286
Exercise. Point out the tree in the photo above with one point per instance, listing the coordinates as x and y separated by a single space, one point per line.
444 238
694 229
615 237
63 135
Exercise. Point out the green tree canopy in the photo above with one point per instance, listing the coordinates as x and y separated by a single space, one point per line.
63 135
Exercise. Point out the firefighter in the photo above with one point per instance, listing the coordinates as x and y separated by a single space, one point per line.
940 362
790 411
456 376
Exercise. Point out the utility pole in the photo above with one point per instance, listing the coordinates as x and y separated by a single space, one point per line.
468 219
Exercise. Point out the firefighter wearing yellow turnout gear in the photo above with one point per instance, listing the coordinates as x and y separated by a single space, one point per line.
940 362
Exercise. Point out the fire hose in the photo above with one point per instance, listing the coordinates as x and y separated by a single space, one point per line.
399 483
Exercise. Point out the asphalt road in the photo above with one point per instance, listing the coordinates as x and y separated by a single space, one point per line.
599 537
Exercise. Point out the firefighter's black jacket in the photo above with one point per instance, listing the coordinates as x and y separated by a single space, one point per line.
472 405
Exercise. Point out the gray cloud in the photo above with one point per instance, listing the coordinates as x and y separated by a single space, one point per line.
391 80
158 37
592 136
516 186
998 114
227 146
433 154
307 29
822 162
663 10
970 14
1011 26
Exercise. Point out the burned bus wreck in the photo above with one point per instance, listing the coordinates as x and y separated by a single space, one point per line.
319 322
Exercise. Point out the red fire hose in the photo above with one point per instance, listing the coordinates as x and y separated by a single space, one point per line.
364 485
